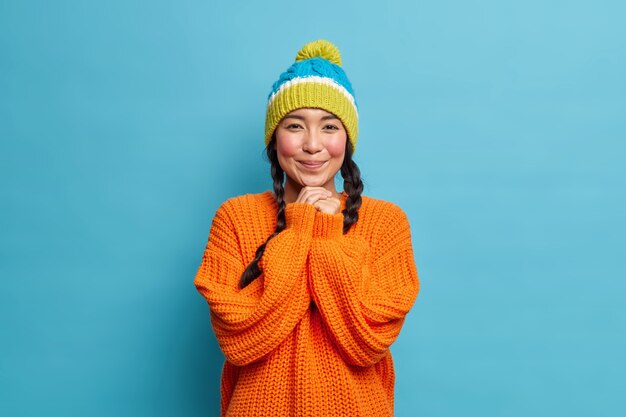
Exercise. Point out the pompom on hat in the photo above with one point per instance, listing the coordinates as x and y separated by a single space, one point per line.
316 79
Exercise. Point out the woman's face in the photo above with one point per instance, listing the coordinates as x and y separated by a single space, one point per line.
311 145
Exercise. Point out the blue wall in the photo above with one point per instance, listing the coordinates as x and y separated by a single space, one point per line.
500 127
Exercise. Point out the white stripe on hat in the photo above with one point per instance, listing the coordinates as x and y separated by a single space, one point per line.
315 79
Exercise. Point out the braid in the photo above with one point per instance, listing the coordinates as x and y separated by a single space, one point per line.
253 271
353 186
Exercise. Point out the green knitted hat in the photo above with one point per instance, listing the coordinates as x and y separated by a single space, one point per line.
317 80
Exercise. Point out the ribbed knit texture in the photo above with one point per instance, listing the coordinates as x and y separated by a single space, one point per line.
311 335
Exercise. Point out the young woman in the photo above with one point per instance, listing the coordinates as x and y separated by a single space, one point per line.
308 287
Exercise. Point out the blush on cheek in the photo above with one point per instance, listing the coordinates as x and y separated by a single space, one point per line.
286 148
336 148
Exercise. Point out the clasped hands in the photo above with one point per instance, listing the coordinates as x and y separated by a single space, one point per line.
320 198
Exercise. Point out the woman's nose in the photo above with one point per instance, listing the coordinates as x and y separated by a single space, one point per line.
312 141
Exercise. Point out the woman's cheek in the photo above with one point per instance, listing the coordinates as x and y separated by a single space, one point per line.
337 147
286 148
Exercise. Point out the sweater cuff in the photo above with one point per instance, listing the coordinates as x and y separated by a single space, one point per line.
328 226
300 217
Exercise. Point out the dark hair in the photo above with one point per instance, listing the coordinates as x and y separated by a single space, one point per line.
352 185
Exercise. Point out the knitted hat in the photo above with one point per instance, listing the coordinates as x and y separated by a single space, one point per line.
316 80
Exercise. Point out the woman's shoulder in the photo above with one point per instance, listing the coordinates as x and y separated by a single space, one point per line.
379 216
236 206
372 208
380 207
254 199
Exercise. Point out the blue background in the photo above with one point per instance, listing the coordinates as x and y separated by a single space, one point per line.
498 126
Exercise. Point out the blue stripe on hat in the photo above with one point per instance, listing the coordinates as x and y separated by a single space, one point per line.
313 66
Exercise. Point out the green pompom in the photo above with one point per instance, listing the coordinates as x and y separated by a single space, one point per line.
320 48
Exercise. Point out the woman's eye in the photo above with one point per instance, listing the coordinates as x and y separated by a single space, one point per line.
293 126
332 127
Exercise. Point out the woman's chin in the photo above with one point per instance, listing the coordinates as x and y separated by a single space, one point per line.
312 183
311 180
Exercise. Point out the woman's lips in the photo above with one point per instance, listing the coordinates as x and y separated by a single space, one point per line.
312 165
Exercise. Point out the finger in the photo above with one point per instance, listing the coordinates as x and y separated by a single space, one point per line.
328 205
312 198
308 190
306 195
312 194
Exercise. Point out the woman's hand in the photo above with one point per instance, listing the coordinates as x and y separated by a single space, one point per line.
321 198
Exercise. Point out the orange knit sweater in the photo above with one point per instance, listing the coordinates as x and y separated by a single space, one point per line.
311 335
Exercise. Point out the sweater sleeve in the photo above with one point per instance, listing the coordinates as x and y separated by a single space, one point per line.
363 291
251 322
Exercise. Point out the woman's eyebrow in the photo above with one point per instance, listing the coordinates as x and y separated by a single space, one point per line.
297 116
294 116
